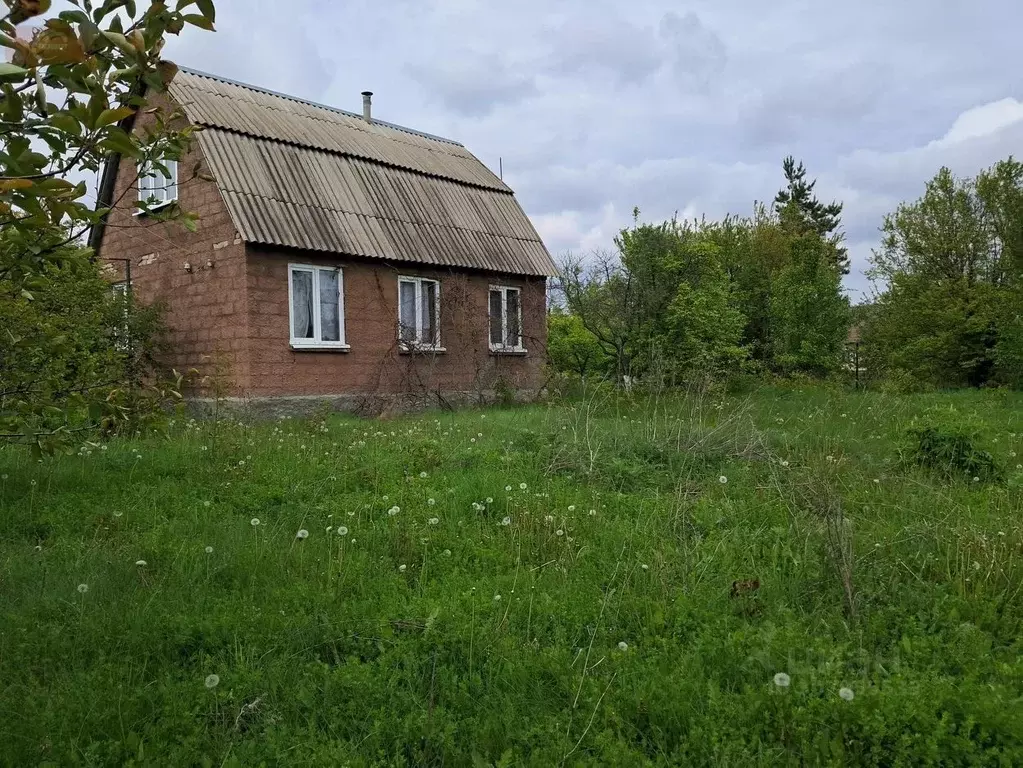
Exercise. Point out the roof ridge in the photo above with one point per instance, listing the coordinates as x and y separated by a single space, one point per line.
308 102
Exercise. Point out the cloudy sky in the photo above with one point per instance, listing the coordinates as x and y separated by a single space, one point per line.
598 106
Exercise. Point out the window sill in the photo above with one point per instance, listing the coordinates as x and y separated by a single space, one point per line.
509 351
320 347
406 350
154 208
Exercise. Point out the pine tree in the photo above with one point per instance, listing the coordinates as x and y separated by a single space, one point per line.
801 211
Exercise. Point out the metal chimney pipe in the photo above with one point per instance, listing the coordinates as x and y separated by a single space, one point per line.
367 106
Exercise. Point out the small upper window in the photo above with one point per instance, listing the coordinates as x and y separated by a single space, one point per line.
316 303
418 313
505 319
154 187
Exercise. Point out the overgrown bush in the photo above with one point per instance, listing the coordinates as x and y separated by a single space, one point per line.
85 350
948 443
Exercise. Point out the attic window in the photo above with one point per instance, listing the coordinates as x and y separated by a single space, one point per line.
155 188
419 313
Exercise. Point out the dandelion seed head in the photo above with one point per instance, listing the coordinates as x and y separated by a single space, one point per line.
490 499
723 480
394 510
560 532
497 598
212 681
846 693
209 550
254 522
141 563
782 680
342 530
507 489
506 521
522 486
302 534
447 553
83 588
402 568
645 567
623 646
433 520
422 475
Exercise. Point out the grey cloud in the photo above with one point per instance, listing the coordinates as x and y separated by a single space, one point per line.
696 51
474 85
602 46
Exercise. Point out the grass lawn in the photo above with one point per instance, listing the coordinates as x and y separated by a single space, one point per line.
680 581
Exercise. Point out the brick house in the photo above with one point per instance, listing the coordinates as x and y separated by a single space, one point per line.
337 258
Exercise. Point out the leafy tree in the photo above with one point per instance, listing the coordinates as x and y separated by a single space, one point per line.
67 98
949 313
604 296
573 349
810 315
800 212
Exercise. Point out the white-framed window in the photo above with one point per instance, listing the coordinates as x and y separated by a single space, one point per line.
505 319
419 313
154 187
316 303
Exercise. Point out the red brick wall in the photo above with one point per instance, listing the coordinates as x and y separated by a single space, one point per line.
206 313
374 363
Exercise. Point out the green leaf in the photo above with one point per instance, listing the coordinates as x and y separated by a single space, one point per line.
198 21
206 9
65 122
13 71
113 116
120 142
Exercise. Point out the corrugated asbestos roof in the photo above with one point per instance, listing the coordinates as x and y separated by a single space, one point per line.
307 176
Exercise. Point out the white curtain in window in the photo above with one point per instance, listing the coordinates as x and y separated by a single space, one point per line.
496 318
330 318
302 304
407 310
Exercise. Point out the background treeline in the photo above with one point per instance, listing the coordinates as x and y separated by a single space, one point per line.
682 302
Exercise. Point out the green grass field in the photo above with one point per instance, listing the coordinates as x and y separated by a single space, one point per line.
549 585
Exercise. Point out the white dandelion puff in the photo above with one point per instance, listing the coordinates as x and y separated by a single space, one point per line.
507 489
782 680
490 499
506 521
422 475
141 563
447 553
394 510
623 646
522 486
560 532
342 530
592 513
209 550
846 693
212 681
433 520
497 598
402 568
645 567
302 534
431 502
83 588
254 522
723 480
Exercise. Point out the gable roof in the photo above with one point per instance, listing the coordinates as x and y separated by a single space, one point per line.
298 174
